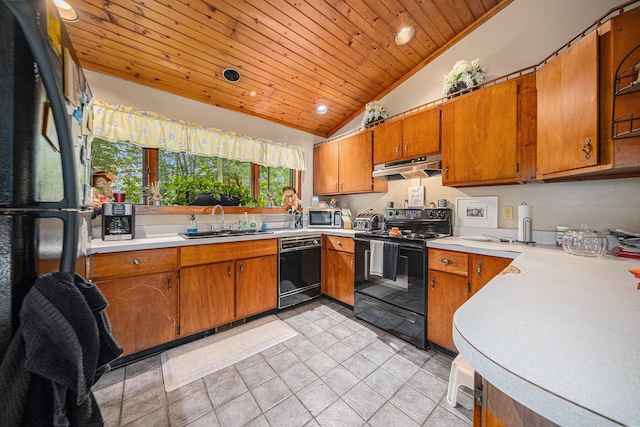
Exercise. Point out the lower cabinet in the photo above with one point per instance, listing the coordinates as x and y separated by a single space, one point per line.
337 268
143 299
217 288
454 277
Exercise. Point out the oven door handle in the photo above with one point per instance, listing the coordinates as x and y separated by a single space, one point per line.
397 313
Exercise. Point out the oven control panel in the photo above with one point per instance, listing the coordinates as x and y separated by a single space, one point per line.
417 214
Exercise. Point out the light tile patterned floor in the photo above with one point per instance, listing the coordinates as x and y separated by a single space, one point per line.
338 371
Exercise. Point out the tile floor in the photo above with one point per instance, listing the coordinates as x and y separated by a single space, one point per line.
338 371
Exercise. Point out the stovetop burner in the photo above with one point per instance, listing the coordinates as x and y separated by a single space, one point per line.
414 224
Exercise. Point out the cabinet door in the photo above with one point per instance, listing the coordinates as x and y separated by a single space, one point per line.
207 297
421 133
337 275
142 310
483 268
356 163
387 142
568 109
256 285
325 168
446 292
480 136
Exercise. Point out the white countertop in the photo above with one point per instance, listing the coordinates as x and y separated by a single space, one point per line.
562 337
167 240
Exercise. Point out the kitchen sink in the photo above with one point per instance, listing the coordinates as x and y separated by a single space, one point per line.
220 233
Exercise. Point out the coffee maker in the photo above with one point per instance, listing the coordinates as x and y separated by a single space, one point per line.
118 221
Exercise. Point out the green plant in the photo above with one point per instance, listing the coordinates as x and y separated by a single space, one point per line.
180 190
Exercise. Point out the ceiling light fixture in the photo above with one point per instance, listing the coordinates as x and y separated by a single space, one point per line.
231 75
405 35
67 13
322 109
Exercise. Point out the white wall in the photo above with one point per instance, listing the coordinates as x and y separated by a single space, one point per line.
521 35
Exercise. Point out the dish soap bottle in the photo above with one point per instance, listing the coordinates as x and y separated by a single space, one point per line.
192 227
245 222
253 224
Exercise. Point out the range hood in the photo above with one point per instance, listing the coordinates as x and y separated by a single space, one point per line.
420 167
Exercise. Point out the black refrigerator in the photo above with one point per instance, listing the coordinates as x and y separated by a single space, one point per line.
45 193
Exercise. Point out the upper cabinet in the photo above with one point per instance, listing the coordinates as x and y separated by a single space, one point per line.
489 135
344 166
585 126
415 135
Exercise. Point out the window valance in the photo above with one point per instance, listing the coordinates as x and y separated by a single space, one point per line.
151 130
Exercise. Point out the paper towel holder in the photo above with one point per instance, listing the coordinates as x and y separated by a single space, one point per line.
525 226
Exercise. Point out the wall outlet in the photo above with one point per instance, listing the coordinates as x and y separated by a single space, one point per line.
507 212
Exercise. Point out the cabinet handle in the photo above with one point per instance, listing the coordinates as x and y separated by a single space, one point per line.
587 143
446 172
169 284
398 150
241 268
228 271
336 185
433 282
406 148
446 261
351 263
340 185
339 243
480 270
135 261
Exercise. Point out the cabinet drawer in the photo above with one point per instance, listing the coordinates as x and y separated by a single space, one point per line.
133 263
337 243
218 252
449 261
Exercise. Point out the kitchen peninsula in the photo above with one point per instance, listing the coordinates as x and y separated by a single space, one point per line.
560 335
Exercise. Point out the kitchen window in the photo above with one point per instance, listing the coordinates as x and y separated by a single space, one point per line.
128 162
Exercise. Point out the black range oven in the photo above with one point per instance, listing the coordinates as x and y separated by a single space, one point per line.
394 297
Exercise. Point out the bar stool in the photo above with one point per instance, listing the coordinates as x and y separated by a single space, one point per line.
461 374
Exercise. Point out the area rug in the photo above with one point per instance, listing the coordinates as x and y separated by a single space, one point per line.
189 362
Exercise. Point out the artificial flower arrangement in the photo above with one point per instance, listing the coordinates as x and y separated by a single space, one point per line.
156 195
373 112
463 75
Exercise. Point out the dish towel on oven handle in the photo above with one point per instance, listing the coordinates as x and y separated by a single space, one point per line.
384 259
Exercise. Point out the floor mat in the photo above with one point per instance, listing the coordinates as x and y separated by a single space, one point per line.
187 363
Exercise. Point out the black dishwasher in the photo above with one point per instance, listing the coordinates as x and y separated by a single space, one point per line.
299 269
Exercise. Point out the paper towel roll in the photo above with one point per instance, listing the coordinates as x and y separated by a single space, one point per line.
525 223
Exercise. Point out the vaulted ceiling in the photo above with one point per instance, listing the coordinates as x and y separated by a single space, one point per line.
292 55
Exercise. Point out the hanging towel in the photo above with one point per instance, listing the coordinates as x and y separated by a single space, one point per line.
390 261
377 257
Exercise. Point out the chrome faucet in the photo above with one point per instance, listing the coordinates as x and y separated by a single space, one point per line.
213 214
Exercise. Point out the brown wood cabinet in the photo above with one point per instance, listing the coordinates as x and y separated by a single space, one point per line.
344 166
453 278
489 135
583 106
223 282
499 410
414 135
142 289
337 268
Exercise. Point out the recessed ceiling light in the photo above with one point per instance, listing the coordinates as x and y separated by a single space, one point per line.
231 75
405 35
322 109
66 11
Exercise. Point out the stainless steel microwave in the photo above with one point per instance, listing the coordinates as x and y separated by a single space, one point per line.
325 218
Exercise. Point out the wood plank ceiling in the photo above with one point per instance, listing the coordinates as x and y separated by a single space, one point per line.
293 55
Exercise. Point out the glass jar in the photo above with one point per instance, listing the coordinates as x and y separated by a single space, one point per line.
585 242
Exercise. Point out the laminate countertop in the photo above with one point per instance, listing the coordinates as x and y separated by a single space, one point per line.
561 337
168 240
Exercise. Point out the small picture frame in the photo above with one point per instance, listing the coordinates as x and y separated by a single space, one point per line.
477 211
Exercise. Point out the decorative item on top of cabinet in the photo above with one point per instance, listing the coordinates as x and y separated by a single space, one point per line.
345 165
142 289
337 268
489 135
217 287
454 277
585 79
414 135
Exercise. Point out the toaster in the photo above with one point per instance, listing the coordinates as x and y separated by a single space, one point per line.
367 221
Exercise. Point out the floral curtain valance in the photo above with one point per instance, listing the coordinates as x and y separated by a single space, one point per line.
151 130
